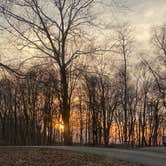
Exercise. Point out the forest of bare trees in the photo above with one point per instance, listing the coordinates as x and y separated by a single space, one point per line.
71 89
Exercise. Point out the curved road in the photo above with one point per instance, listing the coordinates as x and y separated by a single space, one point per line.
137 157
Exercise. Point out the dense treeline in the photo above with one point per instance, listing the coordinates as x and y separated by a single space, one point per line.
30 111
27 108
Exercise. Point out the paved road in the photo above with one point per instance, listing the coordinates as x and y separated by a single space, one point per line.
138 157
157 149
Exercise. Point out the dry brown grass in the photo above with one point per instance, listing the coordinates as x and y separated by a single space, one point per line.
53 157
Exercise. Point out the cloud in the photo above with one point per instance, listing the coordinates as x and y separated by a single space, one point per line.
146 14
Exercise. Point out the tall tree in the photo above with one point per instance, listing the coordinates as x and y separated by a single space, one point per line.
50 27
123 46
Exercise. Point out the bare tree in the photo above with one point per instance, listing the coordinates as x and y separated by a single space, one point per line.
159 39
123 47
50 27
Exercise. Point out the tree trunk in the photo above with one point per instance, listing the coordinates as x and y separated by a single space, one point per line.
65 107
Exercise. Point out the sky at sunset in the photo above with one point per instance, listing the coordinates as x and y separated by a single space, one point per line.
144 14
141 14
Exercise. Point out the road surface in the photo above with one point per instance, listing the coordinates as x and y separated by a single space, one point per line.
137 157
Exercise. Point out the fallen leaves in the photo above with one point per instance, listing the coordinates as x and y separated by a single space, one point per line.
53 157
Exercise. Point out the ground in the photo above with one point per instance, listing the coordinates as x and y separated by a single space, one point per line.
12 156
158 149
154 156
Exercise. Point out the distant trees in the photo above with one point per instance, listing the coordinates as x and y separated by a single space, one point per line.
27 108
30 111
101 103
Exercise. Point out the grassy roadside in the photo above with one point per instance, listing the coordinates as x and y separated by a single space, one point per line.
10 156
